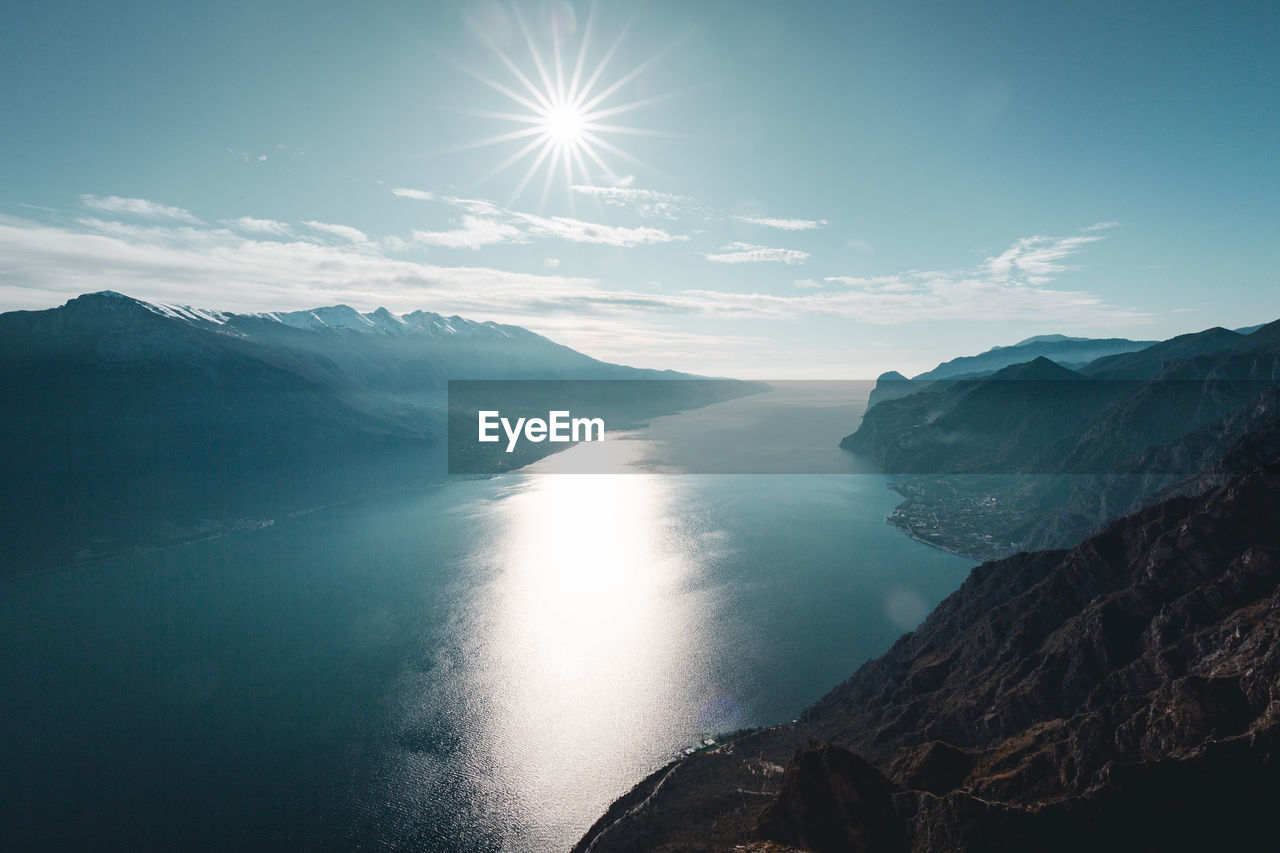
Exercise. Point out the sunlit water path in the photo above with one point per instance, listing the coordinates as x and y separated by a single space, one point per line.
485 665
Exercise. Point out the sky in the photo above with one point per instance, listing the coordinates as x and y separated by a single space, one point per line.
755 189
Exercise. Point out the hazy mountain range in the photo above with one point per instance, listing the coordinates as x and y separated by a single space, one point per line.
1099 440
132 424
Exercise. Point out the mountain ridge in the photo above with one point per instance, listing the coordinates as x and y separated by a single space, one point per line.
1062 349
1130 424
130 424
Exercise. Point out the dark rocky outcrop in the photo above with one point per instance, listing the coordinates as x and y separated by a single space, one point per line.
890 386
832 801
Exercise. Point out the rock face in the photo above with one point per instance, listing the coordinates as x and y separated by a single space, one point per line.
1120 695
1143 642
890 386
834 802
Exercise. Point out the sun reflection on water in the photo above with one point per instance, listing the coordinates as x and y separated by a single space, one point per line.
590 634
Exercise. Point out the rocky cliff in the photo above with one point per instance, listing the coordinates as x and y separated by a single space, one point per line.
1120 695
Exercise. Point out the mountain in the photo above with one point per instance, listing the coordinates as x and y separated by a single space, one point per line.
1066 351
133 424
890 386
1046 455
1150 362
1060 348
1119 695
995 424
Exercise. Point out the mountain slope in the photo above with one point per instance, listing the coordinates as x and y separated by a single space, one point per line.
1150 362
1046 461
1121 695
128 424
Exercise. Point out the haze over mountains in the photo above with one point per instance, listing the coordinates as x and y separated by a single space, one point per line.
1067 351
128 423
1100 439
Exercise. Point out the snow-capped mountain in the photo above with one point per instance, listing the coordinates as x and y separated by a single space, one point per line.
343 318
120 416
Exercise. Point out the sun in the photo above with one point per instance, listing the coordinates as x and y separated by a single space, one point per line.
566 112
563 124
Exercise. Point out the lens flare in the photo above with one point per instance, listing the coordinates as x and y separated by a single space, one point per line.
564 106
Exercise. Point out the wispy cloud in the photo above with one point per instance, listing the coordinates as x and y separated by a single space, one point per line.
222 268
629 193
551 263
258 226
216 266
887 283
476 231
407 192
248 157
783 224
578 231
346 232
1035 260
471 205
648 203
137 207
748 253
487 223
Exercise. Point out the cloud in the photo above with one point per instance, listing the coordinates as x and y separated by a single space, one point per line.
747 253
1035 260
887 283
783 224
488 223
648 203
248 157
206 266
578 231
478 206
475 232
551 263
629 193
406 192
346 232
806 283
221 268
622 192
137 207
258 226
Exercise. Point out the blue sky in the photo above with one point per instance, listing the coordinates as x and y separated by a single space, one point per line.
816 189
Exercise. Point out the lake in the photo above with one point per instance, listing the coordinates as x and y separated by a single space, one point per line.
483 665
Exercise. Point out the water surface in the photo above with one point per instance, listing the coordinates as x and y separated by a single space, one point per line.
484 665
